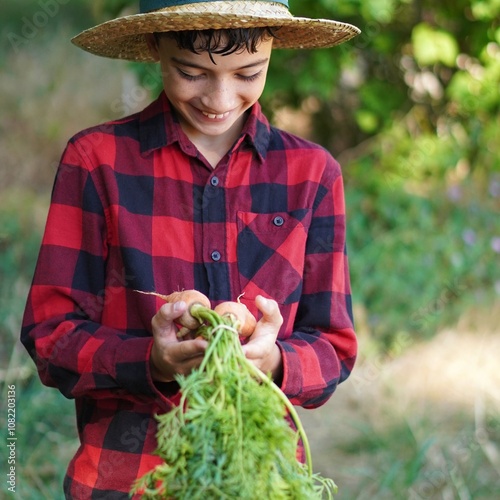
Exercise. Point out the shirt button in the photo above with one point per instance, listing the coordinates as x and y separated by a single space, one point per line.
278 221
214 181
216 255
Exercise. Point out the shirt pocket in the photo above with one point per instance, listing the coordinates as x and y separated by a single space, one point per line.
271 251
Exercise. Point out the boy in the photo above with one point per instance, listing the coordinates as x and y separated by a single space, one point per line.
197 191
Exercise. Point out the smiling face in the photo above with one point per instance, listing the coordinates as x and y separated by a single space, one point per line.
211 92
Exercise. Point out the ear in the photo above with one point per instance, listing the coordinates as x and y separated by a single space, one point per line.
152 46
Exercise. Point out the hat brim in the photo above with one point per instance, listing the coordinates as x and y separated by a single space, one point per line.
123 38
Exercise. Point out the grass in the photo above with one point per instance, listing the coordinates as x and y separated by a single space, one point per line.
409 459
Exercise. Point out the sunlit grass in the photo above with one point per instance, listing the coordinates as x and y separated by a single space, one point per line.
422 425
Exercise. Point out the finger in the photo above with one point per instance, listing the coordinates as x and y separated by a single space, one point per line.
163 320
170 356
270 310
189 349
264 352
170 312
263 340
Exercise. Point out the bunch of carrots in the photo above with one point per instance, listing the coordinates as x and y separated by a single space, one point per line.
229 437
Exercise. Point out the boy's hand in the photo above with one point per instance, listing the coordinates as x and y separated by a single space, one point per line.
261 348
171 355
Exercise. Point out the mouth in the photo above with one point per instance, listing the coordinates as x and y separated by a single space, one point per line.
213 116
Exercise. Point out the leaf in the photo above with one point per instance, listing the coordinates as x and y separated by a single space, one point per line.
431 46
367 121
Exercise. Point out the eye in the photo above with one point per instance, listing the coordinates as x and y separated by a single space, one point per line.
187 76
249 78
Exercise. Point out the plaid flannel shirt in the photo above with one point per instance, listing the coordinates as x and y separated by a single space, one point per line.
136 207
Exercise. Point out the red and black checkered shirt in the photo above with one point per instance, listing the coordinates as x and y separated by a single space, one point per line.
136 207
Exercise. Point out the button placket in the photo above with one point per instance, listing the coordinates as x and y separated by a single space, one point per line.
212 194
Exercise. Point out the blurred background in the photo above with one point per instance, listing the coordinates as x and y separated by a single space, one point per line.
410 108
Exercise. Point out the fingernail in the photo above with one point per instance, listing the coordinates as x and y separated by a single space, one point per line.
264 302
179 306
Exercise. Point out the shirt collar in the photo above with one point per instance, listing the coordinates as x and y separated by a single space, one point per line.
257 131
159 127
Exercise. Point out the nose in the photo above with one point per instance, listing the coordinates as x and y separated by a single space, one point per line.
219 95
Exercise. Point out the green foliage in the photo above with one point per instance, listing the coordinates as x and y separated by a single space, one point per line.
25 20
18 249
108 9
437 61
421 258
46 440
433 46
45 422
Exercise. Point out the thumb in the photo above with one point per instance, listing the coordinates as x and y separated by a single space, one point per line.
270 311
163 320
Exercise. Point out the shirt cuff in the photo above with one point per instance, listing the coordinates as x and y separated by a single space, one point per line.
290 379
133 372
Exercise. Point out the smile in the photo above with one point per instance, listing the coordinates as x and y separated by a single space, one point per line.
213 116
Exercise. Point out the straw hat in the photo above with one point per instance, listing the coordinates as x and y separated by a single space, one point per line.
123 38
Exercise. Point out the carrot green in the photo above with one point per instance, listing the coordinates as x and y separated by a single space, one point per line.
229 437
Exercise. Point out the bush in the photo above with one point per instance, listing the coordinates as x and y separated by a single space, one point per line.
420 258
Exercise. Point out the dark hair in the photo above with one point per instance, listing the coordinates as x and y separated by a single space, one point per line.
222 42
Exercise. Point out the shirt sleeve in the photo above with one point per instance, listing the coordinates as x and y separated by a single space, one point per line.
321 350
63 329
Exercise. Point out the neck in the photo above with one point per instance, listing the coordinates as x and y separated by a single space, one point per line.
214 148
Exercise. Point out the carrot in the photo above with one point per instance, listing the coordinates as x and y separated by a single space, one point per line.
193 299
239 315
